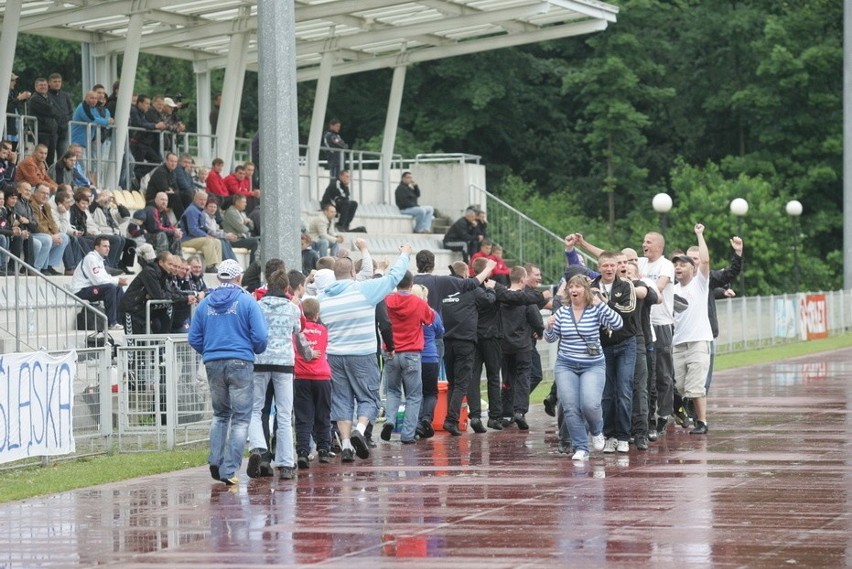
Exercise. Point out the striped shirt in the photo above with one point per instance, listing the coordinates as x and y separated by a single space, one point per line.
574 341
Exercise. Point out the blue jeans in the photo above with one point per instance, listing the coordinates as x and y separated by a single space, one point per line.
41 249
354 379
580 388
231 391
618 391
402 372
54 257
282 383
422 214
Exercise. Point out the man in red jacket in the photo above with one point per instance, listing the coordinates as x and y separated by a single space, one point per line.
408 314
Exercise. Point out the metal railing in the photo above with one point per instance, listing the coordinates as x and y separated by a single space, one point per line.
523 238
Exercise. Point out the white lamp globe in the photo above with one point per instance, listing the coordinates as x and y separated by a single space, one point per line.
794 208
662 203
739 207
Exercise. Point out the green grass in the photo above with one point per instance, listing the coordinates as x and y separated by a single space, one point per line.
62 476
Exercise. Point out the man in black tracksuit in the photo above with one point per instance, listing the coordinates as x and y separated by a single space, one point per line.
520 323
489 350
153 283
460 322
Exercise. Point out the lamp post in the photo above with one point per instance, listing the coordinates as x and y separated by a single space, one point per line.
794 210
662 204
739 207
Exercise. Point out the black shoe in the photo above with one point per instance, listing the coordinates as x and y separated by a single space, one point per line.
565 447
347 455
359 443
700 429
408 441
286 472
453 429
266 470
428 430
342 228
495 424
521 422
681 418
662 423
550 405
507 422
50 271
359 229
303 460
253 468
214 471
477 426
324 456
387 429
641 443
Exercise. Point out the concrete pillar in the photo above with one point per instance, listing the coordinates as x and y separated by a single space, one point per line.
235 70
125 94
8 43
317 185
391 125
202 117
279 131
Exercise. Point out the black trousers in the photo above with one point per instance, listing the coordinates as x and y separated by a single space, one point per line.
312 407
429 372
516 382
490 354
458 362
110 294
346 211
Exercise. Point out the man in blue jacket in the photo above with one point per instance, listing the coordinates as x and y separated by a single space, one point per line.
228 329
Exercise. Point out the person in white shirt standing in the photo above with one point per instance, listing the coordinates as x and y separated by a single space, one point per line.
692 332
92 282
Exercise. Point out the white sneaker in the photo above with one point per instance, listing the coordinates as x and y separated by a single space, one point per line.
609 446
598 442
581 456
623 446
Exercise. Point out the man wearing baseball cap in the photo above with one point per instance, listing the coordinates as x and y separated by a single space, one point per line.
228 330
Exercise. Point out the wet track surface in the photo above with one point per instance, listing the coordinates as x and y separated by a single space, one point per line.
768 487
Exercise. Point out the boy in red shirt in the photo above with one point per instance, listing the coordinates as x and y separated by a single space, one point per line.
312 389
501 272
408 313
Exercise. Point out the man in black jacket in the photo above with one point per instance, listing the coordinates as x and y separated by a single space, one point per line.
406 195
155 282
144 142
163 179
337 194
42 107
335 148
520 323
63 103
462 236
460 316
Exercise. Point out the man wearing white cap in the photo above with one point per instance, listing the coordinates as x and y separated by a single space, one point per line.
228 330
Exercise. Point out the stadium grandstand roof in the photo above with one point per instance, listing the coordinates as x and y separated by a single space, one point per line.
363 35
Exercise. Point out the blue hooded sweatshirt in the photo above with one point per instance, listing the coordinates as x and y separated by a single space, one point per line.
228 324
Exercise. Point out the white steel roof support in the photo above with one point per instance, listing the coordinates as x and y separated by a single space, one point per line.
318 121
232 94
8 42
203 96
279 132
391 125
125 95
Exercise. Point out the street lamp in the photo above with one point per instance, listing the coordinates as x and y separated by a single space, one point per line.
794 210
662 204
739 207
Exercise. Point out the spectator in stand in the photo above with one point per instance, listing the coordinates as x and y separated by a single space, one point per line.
169 112
215 184
484 251
12 236
407 193
73 217
196 275
335 155
501 271
184 174
462 236
33 169
8 164
15 106
42 107
47 230
238 183
160 230
61 101
163 179
326 240
103 112
229 239
91 281
309 256
312 388
214 112
337 194
144 142
81 178
235 221
62 171
481 227
153 283
112 100
108 216
89 111
196 233
254 199
25 215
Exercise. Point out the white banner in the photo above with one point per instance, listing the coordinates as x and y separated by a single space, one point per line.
36 405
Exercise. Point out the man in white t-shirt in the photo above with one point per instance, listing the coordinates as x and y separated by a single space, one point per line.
692 333
91 281
660 270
